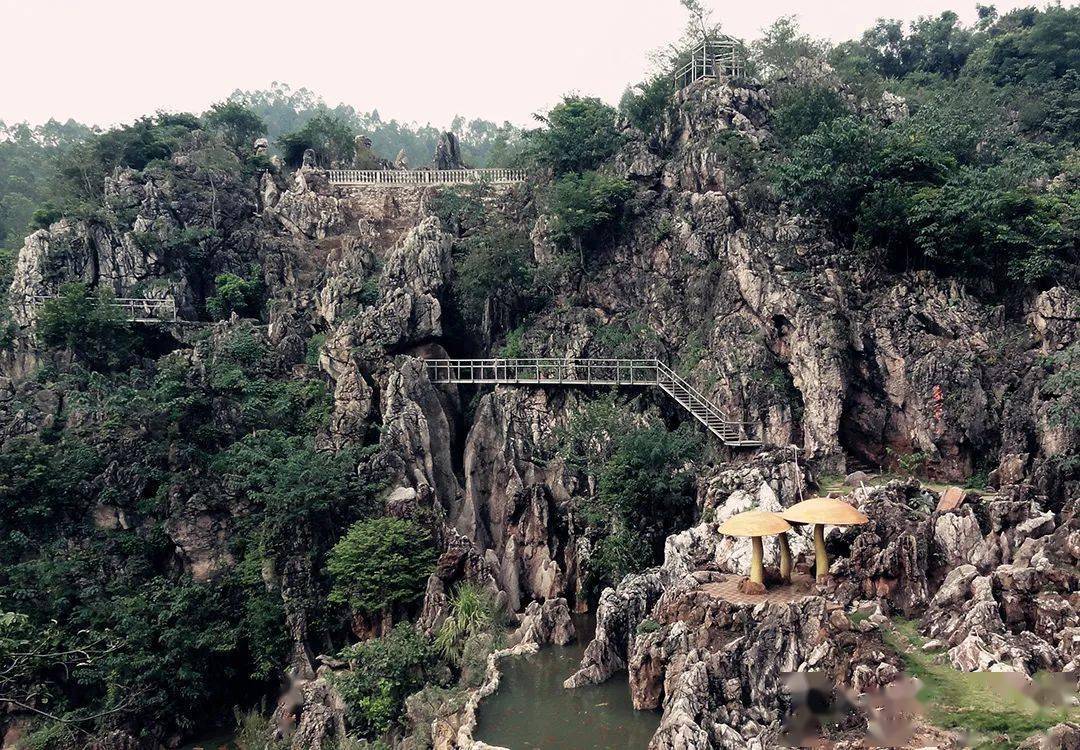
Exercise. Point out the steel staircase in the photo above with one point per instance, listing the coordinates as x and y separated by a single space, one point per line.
629 372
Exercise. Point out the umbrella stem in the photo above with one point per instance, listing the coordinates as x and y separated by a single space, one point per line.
821 562
757 567
785 558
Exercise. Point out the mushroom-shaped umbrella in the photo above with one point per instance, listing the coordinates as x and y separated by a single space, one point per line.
821 511
755 524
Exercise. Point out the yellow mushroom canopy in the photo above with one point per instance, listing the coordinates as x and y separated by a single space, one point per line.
825 510
754 523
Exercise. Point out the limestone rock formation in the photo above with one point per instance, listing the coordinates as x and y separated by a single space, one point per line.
448 152
835 360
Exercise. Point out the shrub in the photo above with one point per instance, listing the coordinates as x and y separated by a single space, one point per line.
644 486
290 485
648 625
1063 386
496 263
472 612
800 110
738 154
829 169
384 672
586 206
379 564
88 326
235 294
253 729
46 216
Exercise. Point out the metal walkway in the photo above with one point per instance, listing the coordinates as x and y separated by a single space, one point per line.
632 372
134 309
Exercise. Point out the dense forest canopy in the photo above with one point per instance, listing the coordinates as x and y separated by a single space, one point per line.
925 146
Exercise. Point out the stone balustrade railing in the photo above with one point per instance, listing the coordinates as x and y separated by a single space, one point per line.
405 177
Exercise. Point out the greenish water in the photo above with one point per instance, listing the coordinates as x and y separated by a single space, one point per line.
531 709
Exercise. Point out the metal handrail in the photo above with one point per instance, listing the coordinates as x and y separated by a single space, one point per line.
710 59
586 371
133 306
683 383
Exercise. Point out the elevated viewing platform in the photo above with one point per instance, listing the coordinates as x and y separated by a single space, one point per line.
133 309
596 372
407 177
713 58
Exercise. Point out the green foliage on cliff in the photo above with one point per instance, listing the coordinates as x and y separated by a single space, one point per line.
493 258
980 182
88 326
222 449
643 475
472 612
1063 387
148 139
379 564
644 104
801 110
235 294
586 206
237 124
330 137
384 671
580 135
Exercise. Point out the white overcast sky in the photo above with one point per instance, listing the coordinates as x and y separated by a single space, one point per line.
109 61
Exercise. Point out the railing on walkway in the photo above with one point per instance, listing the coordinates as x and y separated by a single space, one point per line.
630 372
405 177
712 58
134 309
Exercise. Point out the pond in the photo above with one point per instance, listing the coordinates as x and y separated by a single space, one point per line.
532 710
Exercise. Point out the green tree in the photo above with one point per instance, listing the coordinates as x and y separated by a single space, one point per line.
379 564
301 493
496 264
580 135
781 46
235 294
800 110
1031 46
643 476
645 103
331 137
238 125
828 172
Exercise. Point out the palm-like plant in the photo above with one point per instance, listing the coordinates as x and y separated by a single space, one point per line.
472 611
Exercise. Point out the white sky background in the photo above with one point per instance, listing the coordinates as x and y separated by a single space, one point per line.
109 61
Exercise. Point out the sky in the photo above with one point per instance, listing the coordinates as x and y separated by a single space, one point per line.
104 62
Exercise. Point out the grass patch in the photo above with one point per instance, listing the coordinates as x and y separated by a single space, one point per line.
857 618
996 717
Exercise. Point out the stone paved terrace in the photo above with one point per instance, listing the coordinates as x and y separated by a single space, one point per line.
801 587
